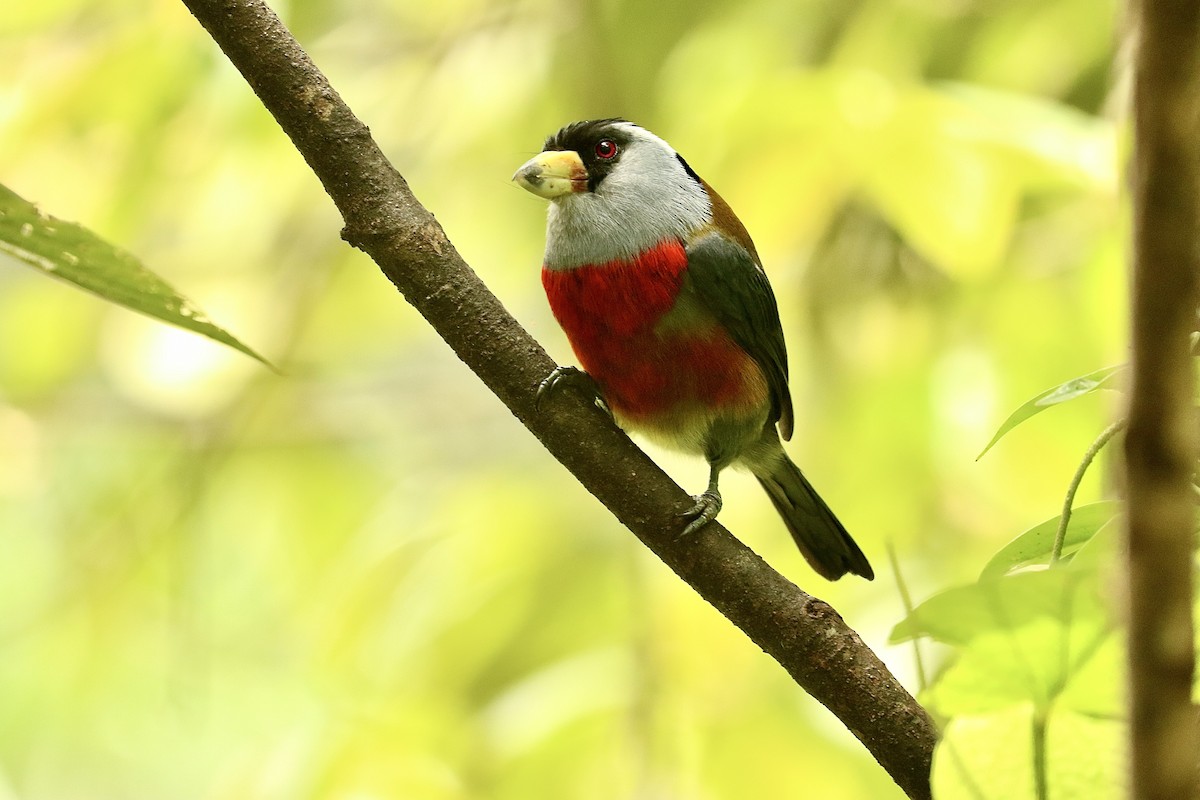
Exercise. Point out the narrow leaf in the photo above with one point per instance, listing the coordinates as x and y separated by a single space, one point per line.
1077 387
76 255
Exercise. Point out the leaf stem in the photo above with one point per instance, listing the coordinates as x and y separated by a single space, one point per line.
1039 755
1068 503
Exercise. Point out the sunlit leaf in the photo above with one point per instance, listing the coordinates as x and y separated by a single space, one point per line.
1042 640
992 673
1033 662
1085 756
74 254
1099 550
1005 603
1034 545
991 756
1097 687
1076 387
986 757
1041 654
1082 748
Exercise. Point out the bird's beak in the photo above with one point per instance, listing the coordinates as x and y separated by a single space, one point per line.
552 174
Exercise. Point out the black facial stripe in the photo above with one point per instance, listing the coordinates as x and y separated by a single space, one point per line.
582 138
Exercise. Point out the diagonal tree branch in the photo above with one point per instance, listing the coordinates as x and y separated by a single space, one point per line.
805 635
1161 444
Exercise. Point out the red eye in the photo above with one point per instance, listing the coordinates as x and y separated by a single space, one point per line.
606 149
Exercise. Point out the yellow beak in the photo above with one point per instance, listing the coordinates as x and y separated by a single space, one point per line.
552 174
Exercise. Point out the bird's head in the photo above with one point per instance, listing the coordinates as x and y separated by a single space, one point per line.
615 190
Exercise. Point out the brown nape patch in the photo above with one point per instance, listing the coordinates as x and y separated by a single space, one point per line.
724 218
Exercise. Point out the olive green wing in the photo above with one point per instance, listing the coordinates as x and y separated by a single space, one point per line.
730 284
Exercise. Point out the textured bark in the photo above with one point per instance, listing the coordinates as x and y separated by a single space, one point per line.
1161 444
382 218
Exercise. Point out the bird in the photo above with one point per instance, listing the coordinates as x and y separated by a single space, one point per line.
662 296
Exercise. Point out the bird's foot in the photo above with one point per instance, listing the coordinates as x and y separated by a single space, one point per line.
561 377
708 505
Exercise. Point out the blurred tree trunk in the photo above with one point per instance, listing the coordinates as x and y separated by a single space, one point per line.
805 635
1161 444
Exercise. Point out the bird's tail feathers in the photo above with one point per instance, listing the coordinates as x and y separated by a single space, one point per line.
822 539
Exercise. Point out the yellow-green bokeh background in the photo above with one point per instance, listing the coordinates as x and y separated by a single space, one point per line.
360 578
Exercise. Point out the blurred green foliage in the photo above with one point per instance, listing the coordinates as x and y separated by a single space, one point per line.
361 578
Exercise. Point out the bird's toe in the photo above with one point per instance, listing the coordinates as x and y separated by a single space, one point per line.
702 512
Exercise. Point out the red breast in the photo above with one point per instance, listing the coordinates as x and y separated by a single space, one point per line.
612 314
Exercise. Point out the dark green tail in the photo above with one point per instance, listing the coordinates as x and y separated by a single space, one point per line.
818 533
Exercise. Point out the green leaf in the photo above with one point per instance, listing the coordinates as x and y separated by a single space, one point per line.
1085 755
1035 662
990 756
1097 687
1034 545
986 757
1024 638
1099 551
75 254
1005 603
1077 387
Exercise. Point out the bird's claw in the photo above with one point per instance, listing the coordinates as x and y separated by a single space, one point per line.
570 376
550 384
704 511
